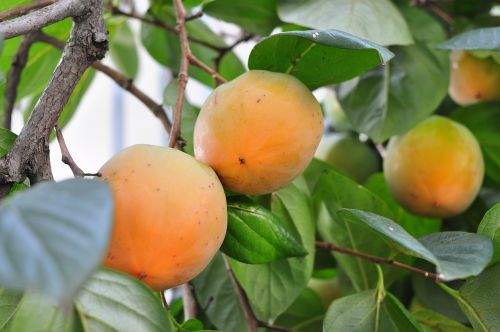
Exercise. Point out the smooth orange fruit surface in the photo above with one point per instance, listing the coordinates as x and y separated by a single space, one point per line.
170 215
473 79
259 131
436 169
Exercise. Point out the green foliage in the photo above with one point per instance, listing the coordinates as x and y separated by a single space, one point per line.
255 236
123 50
259 17
375 20
314 56
490 226
54 236
477 39
305 314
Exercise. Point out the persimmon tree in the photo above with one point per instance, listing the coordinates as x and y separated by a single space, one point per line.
410 89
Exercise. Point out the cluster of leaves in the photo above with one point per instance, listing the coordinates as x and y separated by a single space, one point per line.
382 56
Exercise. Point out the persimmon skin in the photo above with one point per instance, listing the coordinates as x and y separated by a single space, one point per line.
473 79
259 131
436 169
170 215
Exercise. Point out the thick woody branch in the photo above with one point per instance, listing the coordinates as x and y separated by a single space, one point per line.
378 260
40 18
14 76
29 156
21 10
122 81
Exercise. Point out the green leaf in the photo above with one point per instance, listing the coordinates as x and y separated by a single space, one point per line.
8 306
272 288
53 236
483 120
317 57
259 16
214 291
369 311
334 192
37 313
375 20
378 103
479 299
306 314
415 225
490 226
189 114
256 236
456 255
123 50
477 39
437 322
112 301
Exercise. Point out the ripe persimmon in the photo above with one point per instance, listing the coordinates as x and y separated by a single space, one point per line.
259 131
170 215
436 169
473 79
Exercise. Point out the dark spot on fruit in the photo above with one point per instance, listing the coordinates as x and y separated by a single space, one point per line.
241 160
436 204
141 276
258 100
478 95
132 171
412 194
148 164
157 189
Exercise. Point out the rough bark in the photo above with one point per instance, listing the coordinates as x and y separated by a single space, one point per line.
29 156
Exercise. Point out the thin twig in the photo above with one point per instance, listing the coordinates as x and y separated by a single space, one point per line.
67 158
252 321
189 302
198 63
122 81
21 10
14 77
222 52
160 24
164 300
435 8
378 260
194 16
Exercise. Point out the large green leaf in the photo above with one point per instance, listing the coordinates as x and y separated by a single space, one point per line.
257 16
484 122
371 311
123 50
164 46
456 254
490 226
415 225
334 192
477 39
256 236
113 301
273 287
375 20
37 313
306 314
479 299
318 57
384 102
437 322
7 138
215 292
8 307
53 236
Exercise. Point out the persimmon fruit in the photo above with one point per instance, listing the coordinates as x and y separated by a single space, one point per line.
473 79
436 169
259 131
348 154
170 215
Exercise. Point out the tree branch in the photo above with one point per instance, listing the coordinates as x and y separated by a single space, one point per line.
40 18
122 81
378 260
29 156
253 323
67 158
14 76
21 10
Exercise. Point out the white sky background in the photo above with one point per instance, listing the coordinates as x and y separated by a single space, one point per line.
90 134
